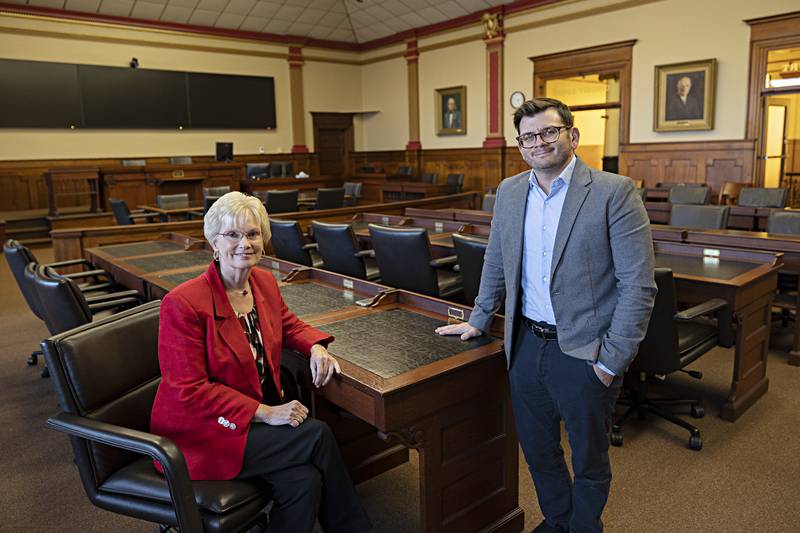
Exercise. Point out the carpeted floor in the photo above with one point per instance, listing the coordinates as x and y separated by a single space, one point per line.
745 478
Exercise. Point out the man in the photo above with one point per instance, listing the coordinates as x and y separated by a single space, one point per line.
571 248
682 105
452 117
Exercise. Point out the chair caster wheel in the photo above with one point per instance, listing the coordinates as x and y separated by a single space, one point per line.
696 443
616 438
33 359
698 411
45 372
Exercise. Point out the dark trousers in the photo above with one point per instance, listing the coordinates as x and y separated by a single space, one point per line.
548 386
307 475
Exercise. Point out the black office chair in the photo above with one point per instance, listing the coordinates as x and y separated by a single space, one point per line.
180 160
279 201
786 223
353 190
281 169
329 198
428 177
289 243
673 341
762 197
690 194
19 256
405 262
699 216
125 216
106 385
216 191
338 247
208 201
257 171
455 183
488 202
470 251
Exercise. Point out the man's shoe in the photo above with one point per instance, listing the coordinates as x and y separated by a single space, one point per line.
544 527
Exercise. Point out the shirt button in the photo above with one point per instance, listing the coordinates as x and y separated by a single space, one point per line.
544 278
544 254
544 228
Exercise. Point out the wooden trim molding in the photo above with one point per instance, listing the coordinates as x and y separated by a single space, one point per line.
296 61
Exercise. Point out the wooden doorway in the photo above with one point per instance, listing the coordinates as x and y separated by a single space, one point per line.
333 143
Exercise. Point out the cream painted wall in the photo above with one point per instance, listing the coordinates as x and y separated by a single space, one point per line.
463 64
332 88
384 90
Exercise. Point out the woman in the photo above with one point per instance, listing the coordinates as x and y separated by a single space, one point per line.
219 347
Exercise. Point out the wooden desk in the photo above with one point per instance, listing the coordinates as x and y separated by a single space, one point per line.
166 214
307 185
407 386
473 216
746 280
757 241
394 191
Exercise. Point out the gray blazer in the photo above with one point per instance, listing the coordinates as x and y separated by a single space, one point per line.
602 286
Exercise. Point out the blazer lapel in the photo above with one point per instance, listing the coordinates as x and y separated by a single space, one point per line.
516 203
230 330
576 194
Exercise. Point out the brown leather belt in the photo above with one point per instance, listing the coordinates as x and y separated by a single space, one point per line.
541 329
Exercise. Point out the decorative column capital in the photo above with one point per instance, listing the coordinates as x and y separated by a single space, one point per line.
493 30
295 57
412 52
494 37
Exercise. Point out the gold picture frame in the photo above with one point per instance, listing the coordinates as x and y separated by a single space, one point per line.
684 96
451 111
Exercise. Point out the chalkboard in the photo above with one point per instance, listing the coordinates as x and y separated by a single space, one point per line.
38 94
219 102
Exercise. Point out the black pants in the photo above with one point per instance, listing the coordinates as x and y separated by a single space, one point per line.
548 386
307 474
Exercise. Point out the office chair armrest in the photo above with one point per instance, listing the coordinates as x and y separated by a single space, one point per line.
113 296
444 261
704 308
69 262
160 449
96 287
365 253
86 274
311 246
111 304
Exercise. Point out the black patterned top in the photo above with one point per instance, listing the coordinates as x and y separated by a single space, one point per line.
252 331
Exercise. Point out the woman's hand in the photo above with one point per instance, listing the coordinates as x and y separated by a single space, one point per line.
292 413
323 366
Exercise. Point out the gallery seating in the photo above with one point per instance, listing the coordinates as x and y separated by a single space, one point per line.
699 216
690 194
763 197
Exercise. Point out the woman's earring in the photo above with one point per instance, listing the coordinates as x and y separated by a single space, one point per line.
216 255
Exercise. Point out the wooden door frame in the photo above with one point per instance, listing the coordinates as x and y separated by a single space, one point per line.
766 34
343 121
602 59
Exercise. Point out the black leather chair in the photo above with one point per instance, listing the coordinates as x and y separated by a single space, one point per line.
279 201
405 262
455 183
699 216
216 191
180 160
289 243
338 247
208 201
106 385
762 197
257 171
429 177
673 341
125 216
690 194
786 223
488 202
281 169
329 198
353 190
470 251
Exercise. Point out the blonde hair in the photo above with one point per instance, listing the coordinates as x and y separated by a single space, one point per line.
234 208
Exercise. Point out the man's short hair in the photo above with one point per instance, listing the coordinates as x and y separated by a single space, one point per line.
687 78
537 105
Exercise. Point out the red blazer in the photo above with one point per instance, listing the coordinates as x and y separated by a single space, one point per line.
210 389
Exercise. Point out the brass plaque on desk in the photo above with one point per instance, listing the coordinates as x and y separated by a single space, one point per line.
177 173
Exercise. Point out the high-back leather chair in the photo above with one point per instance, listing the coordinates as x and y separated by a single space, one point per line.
208 201
106 385
455 183
338 247
279 201
329 198
429 177
673 341
405 262
172 201
763 197
699 216
488 202
216 191
281 169
182 160
125 216
784 223
257 170
690 194
353 190
470 251
289 243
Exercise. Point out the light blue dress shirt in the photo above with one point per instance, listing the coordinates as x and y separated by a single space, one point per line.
542 213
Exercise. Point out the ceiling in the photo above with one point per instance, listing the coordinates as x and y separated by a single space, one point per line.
350 21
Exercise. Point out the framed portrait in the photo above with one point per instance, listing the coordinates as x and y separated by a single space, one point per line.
451 111
684 96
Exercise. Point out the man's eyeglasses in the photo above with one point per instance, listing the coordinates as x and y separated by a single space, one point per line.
548 135
236 235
